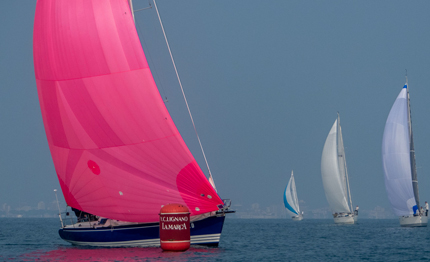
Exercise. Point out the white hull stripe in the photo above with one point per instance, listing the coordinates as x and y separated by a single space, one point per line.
175 241
77 229
181 213
205 238
145 243
212 238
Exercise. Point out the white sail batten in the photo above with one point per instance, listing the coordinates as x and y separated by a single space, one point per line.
396 161
332 176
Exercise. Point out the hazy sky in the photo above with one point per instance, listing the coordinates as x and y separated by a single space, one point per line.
264 80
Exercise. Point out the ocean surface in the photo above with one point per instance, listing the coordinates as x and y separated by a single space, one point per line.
37 239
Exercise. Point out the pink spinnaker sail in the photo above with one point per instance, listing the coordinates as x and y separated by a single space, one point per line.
116 150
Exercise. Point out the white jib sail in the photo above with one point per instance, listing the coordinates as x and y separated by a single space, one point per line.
290 197
333 178
396 161
341 158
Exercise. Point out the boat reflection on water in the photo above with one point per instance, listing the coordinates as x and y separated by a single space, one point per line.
122 254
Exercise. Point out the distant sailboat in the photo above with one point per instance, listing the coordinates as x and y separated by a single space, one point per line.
398 162
291 201
335 176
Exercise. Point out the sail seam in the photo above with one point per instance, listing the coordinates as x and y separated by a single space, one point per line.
146 141
78 78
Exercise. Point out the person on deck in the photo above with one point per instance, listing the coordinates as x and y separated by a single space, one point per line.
427 209
356 210
77 213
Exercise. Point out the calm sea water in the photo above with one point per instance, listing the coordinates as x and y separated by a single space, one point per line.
242 240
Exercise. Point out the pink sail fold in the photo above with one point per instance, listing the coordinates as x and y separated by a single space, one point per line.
116 150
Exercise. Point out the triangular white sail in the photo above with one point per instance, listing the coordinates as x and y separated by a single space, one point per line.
291 201
333 171
396 161
211 180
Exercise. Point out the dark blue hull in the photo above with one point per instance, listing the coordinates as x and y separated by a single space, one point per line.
203 232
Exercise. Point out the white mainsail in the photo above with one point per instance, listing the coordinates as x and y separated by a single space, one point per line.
396 160
333 170
291 201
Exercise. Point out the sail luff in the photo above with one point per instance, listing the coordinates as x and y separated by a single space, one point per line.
343 163
340 154
294 192
349 189
412 153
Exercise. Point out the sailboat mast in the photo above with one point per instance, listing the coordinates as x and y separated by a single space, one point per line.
344 161
412 151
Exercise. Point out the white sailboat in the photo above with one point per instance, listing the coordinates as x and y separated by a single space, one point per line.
335 176
398 162
291 201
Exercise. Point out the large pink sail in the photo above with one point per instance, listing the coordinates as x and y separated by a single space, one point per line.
116 150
